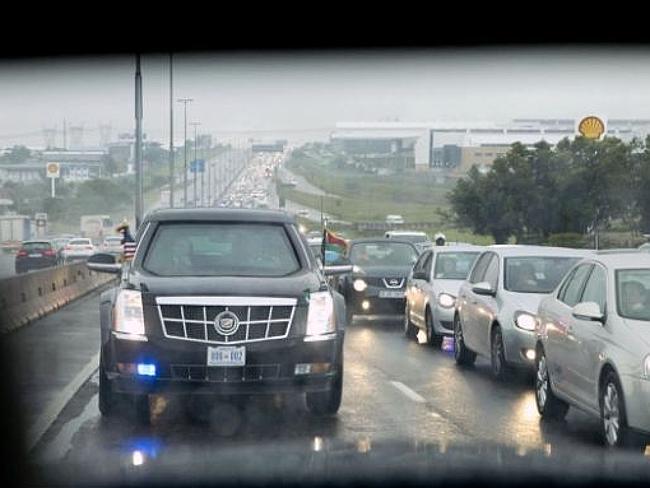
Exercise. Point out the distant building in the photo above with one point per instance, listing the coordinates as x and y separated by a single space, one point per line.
77 165
452 148
27 172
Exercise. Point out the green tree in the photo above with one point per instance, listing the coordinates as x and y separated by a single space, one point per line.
17 155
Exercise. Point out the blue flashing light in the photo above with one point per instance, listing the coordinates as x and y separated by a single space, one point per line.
146 369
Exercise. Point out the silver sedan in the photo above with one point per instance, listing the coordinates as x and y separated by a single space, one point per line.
432 288
593 346
497 306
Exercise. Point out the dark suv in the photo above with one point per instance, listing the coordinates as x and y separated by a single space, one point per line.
223 302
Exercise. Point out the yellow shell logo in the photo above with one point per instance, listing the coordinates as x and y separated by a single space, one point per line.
591 127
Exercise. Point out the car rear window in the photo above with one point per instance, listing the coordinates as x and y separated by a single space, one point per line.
79 242
36 246
216 249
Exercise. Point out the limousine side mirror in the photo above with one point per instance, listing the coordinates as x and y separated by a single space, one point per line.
588 311
103 262
483 288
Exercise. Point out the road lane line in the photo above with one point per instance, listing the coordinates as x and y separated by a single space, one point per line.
55 407
408 392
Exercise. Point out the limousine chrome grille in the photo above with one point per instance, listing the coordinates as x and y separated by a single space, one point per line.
226 320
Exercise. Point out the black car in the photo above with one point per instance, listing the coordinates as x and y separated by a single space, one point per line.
376 286
220 302
35 255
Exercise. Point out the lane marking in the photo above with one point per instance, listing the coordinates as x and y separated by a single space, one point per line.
408 392
55 407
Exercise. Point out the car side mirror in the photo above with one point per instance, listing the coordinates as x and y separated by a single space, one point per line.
484 288
104 263
588 311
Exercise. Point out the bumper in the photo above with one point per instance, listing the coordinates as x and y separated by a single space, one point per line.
375 305
517 342
181 367
637 402
443 320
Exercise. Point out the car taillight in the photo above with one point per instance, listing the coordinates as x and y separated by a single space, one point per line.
67 248
89 247
22 253
49 252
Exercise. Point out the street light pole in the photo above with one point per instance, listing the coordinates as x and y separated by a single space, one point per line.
195 124
171 132
185 101
139 201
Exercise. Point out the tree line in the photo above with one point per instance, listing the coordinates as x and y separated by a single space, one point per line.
576 187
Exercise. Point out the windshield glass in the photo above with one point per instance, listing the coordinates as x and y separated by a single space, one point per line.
535 274
221 250
382 254
454 265
79 242
415 238
36 246
633 293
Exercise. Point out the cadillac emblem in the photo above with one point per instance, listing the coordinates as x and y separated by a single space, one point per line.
226 323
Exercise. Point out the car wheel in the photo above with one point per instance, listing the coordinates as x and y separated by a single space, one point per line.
433 339
462 354
616 432
327 402
349 314
500 367
107 399
410 330
548 405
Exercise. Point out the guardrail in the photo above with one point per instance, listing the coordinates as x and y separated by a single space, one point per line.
386 226
26 297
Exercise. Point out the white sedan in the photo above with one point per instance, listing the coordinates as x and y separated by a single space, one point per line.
78 249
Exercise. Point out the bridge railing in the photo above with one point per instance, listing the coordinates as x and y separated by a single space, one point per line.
27 297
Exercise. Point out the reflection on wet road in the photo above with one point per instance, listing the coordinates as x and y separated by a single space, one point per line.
394 390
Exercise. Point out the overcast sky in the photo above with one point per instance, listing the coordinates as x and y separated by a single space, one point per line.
314 91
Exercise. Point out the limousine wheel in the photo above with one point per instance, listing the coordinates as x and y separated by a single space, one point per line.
327 402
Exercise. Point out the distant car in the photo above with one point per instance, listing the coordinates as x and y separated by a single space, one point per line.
59 244
35 255
394 219
432 288
420 239
496 310
78 249
112 244
593 346
377 283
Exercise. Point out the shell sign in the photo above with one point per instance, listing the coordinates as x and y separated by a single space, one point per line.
591 127
52 169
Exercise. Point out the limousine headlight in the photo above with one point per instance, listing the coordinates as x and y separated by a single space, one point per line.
320 318
128 318
525 321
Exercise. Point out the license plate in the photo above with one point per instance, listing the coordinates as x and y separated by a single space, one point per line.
391 294
36 255
226 356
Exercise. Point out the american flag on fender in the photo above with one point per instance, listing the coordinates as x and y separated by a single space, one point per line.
129 249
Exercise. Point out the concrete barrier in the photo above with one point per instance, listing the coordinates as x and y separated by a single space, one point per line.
26 297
